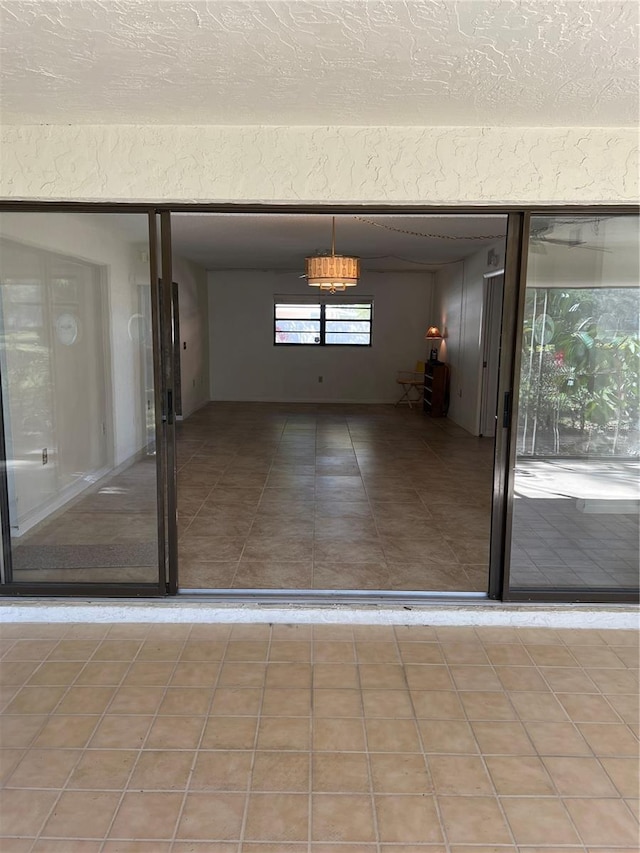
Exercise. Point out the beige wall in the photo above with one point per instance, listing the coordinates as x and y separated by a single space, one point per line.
404 165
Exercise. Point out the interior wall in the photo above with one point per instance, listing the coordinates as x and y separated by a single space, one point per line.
438 165
194 333
246 365
458 298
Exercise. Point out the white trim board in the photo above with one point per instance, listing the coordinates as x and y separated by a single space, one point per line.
541 616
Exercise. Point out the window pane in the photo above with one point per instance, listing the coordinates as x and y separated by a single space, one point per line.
348 338
348 312
297 326
297 312
343 326
297 338
576 487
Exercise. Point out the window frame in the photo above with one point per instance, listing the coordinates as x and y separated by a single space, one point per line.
323 304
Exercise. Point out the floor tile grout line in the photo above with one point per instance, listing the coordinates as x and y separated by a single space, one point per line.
83 750
125 786
197 749
256 737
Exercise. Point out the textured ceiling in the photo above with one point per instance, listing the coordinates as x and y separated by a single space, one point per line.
302 62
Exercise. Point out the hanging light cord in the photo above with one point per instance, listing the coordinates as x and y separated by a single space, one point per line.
422 234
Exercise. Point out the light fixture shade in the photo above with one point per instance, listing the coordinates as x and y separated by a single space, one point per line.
432 332
332 272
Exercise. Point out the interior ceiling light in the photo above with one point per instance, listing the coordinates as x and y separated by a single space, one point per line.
332 272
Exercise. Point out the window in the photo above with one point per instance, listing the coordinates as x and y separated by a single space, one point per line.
328 323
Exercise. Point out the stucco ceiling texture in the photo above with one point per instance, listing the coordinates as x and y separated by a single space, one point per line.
338 62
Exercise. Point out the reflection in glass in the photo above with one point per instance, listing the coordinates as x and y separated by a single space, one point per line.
576 493
76 398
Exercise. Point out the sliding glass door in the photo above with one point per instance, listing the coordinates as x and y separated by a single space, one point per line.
576 440
78 331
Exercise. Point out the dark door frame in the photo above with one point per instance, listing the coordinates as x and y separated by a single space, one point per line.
160 256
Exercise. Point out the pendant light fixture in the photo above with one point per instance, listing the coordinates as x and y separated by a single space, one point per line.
332 272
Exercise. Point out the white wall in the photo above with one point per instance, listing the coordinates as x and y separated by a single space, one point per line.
245 364
457 308
194 332
434 165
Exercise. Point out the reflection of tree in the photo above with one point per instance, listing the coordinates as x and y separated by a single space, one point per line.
579 384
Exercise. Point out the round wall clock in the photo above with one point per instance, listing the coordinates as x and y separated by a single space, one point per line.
67 329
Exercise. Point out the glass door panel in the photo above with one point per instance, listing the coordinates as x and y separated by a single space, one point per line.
78 400
576 491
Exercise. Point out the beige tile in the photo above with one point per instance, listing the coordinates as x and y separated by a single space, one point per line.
459 775
54 845
614 680
22 812
284 733
280 701
464 653
596 656
557 739
407 818
278 817
121 731
550 655
507 654
373 652
229 733
238 674
587 708
392 736
444 736
342 818
400 773
428 677
147 815
340 772
624 772
327 651
86 700
56 672
19 731
519 775
102 673
9 760
288 675
334 735
195 674
610 739
473 820
579 777
603 821
221 770
122 650
521 678
236 701
160 650
502 738
568 679
626 706
539 821
175 733
186 701
290 650
203 650
335 675
135 847
36 700
438 704
279 771
416 652
103 769
66 732
44 768
538 706
475 678
162 770
136 700
382 675
480 705
343 702
205 817
387 703
82 814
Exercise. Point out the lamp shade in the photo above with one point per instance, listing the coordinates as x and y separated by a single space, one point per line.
332 272
432 332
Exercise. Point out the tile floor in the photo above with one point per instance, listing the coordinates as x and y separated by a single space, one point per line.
317 739
331 497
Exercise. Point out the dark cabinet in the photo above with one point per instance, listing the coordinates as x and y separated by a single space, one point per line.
435 401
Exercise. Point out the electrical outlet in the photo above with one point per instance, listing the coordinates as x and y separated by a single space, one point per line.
320 379
45 456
